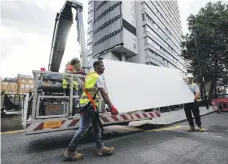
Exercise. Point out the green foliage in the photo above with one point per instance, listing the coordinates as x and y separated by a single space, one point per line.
208 31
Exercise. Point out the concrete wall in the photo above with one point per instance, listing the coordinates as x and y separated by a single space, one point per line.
130 41
110 35
140 58
110 55
128 11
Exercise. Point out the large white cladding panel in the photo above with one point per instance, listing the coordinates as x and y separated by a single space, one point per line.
137 86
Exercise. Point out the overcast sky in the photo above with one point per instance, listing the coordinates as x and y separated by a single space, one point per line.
27 28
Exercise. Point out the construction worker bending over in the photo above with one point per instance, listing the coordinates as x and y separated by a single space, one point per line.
72 67
93 84
193 107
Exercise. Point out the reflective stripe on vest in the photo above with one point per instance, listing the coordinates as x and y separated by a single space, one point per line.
66 81
90 86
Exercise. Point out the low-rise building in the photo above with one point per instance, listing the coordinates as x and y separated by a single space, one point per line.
18 85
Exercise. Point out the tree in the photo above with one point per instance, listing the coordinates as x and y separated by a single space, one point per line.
208 35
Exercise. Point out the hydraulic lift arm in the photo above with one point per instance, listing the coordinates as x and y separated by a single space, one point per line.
63 23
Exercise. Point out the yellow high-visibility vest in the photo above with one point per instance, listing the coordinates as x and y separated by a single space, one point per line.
66 81
90 86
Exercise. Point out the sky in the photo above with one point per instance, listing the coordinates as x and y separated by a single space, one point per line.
27 28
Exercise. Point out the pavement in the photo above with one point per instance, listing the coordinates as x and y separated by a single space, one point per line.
170 144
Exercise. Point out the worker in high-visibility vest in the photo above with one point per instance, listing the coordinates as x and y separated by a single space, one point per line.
190 108
72 67
93 84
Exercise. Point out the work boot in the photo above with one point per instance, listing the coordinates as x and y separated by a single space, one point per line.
72 156
105 151
191 129
202 129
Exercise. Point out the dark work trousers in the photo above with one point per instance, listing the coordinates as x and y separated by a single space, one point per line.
192 108
87 117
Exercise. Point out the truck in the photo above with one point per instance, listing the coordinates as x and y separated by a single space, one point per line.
49 109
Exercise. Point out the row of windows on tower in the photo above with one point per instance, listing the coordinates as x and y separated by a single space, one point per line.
161 17
173 41
154 56
148 40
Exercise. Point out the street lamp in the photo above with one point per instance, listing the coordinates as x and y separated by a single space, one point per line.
202 80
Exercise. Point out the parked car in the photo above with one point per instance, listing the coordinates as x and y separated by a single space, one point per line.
220 103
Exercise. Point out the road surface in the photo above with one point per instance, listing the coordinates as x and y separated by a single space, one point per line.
172 145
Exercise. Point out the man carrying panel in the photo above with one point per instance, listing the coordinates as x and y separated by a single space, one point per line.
193 107
93 84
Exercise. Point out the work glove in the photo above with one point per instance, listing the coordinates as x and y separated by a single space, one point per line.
114 111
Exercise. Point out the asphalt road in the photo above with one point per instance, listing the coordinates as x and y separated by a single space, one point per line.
172 145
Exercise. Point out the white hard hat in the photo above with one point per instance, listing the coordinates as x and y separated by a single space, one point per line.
189 75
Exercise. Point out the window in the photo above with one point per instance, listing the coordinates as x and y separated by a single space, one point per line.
160 58
89 47
144 28
132 5
145 41
89 58
22 87
143 17
156 26
90 35
89 25
151 42
90 15
31 87
90 51
90 5
146 53
133 18
134 43
27 87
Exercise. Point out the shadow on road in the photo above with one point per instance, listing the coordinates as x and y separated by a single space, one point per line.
61 140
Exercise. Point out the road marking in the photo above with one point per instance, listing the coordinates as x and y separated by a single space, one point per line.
11 132
168 128
218 136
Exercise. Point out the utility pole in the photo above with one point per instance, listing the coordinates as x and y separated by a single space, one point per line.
202 80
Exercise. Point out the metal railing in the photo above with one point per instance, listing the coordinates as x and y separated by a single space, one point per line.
38 95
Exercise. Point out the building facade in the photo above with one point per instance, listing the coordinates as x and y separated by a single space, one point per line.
147 32
9 85
19 85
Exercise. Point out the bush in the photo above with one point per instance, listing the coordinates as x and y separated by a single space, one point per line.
11 122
